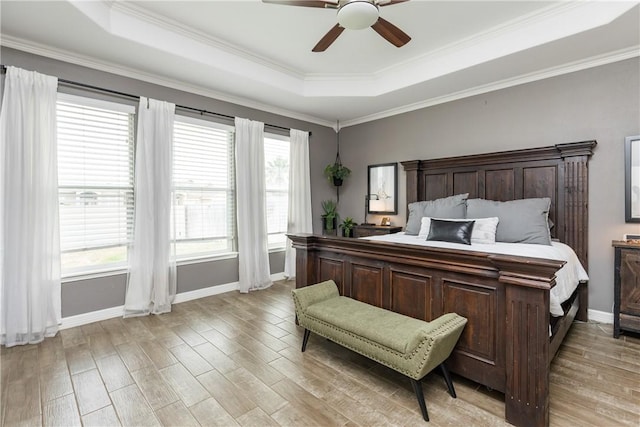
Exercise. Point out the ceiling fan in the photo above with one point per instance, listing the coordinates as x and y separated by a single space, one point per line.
354 15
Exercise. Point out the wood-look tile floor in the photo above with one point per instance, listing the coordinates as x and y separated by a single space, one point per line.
235 359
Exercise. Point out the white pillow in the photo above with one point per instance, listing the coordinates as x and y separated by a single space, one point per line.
484 229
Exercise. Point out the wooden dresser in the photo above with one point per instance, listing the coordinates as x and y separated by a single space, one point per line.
374 230
626 303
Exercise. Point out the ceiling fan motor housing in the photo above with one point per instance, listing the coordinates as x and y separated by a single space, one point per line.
354 15
357 14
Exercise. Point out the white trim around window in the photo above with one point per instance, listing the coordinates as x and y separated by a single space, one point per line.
95 183
203 212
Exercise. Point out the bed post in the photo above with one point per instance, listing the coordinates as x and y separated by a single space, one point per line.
526 341
305 265
412 169
527 357
576 210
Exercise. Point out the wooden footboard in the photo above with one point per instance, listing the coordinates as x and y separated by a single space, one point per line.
506 343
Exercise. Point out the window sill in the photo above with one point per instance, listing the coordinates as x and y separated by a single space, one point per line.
208 258
95 274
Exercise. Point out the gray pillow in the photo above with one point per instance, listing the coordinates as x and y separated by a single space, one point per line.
453 207
521 221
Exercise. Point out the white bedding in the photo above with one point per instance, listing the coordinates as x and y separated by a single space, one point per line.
567 277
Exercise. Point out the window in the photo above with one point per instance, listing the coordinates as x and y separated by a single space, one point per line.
276 158
204 188
95 183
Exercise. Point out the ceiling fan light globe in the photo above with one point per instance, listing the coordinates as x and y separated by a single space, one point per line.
357 15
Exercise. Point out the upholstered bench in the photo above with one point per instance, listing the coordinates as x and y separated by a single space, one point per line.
409 346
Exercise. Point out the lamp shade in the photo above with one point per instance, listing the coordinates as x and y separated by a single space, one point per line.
358 14
377 206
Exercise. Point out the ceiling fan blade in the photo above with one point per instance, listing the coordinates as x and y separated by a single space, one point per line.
390 2
391 33
328 38
305 3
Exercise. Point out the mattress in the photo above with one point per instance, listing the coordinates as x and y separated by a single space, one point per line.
567 278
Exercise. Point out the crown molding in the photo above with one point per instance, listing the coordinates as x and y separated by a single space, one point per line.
471 42
524 32
159 33
594 61
174 26
92 63
89 62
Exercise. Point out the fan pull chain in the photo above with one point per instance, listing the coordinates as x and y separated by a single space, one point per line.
338 161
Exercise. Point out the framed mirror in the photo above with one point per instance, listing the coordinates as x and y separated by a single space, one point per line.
382 184
632 178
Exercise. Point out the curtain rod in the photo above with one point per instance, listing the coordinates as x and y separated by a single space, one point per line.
136 97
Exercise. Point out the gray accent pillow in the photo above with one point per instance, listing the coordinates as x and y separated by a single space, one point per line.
521 221
448 207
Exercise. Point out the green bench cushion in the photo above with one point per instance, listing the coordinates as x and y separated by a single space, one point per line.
410 346
395 331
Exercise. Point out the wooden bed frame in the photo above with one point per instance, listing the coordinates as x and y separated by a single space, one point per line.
506 344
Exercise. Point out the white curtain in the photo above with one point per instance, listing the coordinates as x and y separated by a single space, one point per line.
29 235
151 285
299 219
253 252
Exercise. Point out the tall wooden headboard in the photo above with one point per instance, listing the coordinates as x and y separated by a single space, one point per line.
558 172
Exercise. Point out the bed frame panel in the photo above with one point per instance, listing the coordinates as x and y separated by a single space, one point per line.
505 344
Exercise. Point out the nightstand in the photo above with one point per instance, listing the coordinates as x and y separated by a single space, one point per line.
626 296
374 230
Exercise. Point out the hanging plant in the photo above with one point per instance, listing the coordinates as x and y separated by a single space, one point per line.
336 172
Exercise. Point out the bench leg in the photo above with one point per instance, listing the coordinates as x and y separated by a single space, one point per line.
417 388
305 338
447 378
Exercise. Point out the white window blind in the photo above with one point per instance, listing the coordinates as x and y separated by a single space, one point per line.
204 188
95 182
276 157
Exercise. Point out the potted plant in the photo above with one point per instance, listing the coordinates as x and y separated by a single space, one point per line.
336 172
347 226
329 216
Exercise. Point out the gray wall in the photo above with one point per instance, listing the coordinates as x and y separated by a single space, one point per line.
600 103
100 293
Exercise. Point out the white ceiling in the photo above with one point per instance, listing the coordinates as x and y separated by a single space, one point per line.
259 55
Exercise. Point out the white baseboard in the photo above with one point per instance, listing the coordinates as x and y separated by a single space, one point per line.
278 276
110 313
205 292
92 316
600 316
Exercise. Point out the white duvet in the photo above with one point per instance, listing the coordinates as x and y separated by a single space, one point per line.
567 278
